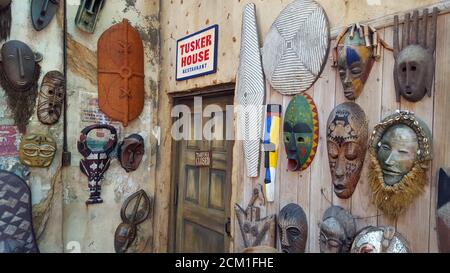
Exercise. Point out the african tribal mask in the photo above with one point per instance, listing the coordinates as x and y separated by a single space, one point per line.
37 150
16 226
121 73
337 230
96 161
301 132
400 153
347 135
443 212
135 211
5 19
42 12
296 47
131 151
380 240
414 57
292 229
19 75
88 14
356 50
255 230
51 98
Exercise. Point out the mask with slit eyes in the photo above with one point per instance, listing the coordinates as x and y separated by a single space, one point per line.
293 229
337 230
301 132
37 150
131 152
51 98
347 135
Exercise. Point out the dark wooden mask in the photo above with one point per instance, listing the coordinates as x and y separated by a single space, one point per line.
42 12
37 150
135 211
5 19
131 152
88 14
121 73
51 98
293 229
347 136
19 75
414 57
337 230
443 212
16 226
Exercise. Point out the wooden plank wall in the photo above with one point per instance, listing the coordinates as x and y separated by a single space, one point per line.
312 189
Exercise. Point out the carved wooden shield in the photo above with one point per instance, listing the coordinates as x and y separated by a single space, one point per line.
121 73
16 228
296 47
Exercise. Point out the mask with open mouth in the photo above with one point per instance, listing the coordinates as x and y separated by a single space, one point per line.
347 135
301 132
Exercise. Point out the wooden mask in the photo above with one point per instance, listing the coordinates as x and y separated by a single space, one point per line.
443 212
292 229
380 240
16 226
400 154
337 231
255 230
121 73
51 98
135 211
414 57
19 75
96 161
347 135
301 132
88 14
42 12
131 152
5 19
37 150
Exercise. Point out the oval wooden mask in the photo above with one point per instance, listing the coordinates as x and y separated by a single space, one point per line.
51 98
42 12
37 150
121 73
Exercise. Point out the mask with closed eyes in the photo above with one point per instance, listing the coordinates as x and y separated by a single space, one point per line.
347 135
19 75
400 154
51 98
131 152
337 230
293 229
37 150
301 132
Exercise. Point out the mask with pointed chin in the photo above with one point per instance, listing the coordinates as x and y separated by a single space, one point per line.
131 151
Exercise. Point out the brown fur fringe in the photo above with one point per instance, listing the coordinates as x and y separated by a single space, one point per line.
393 200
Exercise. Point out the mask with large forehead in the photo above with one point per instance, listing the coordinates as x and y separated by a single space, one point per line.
414 57
293 229
121 73
51 98
131 151
37 150
347 135
379 240
19 74
301 132
337 230
400 152
355 61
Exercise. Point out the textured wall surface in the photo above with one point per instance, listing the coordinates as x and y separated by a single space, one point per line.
180 18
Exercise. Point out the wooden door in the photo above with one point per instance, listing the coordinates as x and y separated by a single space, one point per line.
202 194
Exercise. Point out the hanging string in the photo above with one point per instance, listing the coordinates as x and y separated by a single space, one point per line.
354 217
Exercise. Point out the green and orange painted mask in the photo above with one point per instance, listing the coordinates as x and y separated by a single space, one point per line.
301 132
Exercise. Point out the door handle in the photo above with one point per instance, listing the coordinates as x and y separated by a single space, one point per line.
228 227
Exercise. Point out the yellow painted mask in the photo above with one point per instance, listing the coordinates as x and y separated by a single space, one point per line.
37 150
